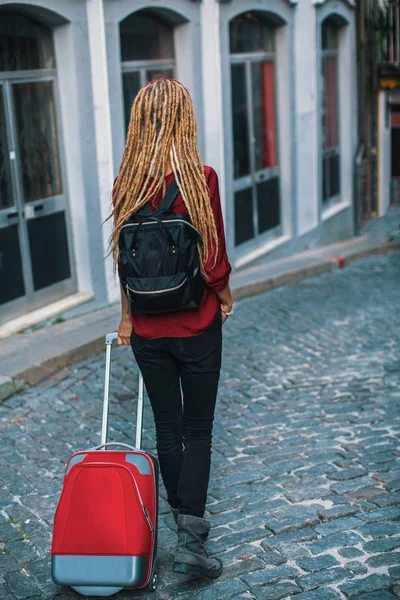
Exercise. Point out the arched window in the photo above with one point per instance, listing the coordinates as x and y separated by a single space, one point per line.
256 169
24 45
147 51
330 112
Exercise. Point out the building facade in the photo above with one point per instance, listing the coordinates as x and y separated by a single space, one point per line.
274 86
378 162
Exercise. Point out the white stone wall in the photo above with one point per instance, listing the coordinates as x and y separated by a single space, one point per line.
88 58
307 114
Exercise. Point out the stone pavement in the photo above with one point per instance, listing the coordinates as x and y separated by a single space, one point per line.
305 487
38 352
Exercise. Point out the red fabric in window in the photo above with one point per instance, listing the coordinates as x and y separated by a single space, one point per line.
268 92
331 102
395 119
192 322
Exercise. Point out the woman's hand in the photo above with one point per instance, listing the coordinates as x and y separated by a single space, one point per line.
124 331
226 309
226 303
224 316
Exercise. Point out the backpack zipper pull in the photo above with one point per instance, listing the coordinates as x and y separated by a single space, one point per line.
129 299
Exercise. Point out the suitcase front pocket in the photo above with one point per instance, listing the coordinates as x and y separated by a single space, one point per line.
101 513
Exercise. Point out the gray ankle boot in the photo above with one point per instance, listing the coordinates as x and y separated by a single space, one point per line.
175 513
190 556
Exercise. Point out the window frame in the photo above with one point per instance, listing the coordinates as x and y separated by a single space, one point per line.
281 14
254 177
143 66
52 204
330 151
343 16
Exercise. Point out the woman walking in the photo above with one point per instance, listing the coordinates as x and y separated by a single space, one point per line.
178 353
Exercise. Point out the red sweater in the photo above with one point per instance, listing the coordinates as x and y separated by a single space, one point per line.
191 322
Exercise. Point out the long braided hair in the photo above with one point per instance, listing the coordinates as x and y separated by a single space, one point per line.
163 127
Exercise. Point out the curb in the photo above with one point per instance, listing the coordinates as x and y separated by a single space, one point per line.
258 287
10 386
330 263
376 251
47 368
41 371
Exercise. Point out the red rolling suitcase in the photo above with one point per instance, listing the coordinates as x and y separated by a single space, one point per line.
105 525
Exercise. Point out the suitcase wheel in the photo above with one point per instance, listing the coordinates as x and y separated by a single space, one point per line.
152 585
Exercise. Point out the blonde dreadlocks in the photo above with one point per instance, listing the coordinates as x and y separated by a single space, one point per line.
163 127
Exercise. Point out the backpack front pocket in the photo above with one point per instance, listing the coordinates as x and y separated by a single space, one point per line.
158 294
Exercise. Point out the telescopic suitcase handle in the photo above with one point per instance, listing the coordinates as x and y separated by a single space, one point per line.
110 339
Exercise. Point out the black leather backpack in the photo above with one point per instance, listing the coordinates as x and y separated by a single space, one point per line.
159 259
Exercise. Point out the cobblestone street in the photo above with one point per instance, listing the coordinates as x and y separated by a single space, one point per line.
304 498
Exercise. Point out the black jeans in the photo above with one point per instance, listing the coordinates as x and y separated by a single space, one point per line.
181 377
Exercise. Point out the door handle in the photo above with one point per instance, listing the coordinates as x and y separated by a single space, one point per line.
259 177
31 211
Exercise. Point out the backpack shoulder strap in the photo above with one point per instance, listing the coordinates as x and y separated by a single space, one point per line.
144 211
165 203
169 198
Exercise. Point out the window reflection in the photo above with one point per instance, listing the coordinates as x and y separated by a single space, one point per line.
330 112
37 139
145 37
131 86
329 35
250 32
24 44
147 52
240 122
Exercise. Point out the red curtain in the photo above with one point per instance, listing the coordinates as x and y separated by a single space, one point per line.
395 119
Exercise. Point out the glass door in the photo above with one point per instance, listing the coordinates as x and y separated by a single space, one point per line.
11 267
35 249
266 169
255 149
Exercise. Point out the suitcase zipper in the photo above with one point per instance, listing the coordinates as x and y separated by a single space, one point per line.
147 517
128 289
